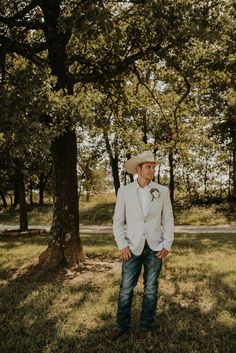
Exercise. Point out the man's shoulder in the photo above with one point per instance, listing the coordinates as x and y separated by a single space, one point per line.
127 187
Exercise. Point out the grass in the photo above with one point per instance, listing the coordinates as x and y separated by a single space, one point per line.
74 311
211 215
100 208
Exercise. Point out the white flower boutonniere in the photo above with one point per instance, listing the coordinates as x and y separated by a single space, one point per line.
155 193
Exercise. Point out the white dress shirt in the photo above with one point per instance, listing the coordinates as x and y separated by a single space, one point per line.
145 197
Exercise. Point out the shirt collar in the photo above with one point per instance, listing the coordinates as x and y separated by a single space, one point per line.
149 186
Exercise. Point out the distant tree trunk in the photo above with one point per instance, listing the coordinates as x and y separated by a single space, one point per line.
114 163
171 183
10 197
155 150
65 247
131 177
4 201
234 170
159 174
229 181
31 193
188 186
87 196
16 193
205 177
22 199
187 182
144 125
42 184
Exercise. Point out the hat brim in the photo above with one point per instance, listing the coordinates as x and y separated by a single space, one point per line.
132 164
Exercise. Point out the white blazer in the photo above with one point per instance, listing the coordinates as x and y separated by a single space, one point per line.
157 227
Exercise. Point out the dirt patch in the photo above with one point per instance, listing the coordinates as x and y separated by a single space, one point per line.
82 273
91 268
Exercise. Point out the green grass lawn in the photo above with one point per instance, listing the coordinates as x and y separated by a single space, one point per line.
73 311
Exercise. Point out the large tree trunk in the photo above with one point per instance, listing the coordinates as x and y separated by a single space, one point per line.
65 247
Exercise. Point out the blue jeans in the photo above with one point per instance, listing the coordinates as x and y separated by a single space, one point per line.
130 274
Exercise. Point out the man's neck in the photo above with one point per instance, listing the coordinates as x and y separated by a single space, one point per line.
142 182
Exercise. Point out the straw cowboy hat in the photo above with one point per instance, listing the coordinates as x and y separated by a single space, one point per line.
144 157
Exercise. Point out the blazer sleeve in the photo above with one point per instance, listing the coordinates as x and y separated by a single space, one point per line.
119 221
167 222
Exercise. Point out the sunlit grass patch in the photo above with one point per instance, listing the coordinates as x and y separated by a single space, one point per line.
200 215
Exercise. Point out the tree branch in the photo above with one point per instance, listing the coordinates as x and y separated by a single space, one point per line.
22 13
182 98
176 66
27 24
100 73
141 81
25 50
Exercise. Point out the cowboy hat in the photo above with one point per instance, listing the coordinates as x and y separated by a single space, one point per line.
144 157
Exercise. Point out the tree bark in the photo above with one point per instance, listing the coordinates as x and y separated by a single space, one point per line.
65 247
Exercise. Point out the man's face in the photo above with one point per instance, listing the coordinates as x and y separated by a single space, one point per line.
146 170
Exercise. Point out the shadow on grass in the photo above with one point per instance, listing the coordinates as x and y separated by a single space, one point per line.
28 324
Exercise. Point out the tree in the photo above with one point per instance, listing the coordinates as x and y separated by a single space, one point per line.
55 34
84 43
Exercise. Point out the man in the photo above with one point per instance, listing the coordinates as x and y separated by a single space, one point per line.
146 209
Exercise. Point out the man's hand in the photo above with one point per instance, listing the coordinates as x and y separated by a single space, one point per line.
162 253
126 254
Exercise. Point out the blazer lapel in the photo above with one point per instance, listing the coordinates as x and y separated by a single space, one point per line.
154 201
136 198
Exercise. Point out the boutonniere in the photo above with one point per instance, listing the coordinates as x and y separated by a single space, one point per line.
155 193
